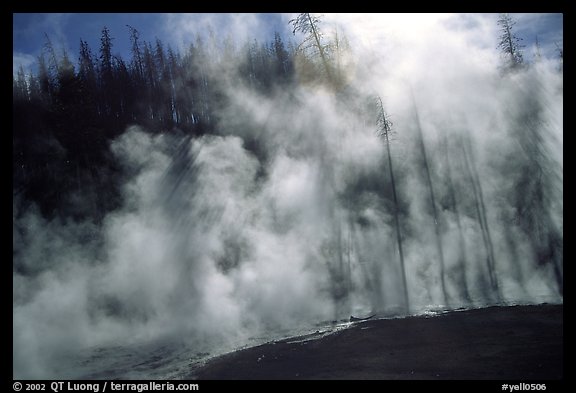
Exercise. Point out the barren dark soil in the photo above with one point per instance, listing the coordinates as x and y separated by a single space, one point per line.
513 342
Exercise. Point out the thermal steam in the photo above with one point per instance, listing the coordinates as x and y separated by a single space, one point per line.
284 216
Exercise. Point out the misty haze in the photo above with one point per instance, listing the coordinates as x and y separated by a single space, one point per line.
187 199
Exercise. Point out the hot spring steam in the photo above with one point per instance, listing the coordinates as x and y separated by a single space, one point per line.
286 215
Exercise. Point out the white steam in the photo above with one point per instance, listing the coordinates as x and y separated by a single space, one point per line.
215 245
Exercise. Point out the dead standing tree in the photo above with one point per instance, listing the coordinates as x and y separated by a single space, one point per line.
384 129
311 49
313 43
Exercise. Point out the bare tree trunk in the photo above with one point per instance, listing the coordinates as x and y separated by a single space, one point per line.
385 130
432 200
481 212
320 48
454 204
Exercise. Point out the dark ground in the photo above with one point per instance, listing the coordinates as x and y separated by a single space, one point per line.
514 342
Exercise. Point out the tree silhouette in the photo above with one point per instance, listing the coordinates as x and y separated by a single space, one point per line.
509 43
313 45
385 129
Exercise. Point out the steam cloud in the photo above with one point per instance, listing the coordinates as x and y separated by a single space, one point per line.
217 242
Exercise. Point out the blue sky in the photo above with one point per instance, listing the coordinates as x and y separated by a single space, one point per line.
179 30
